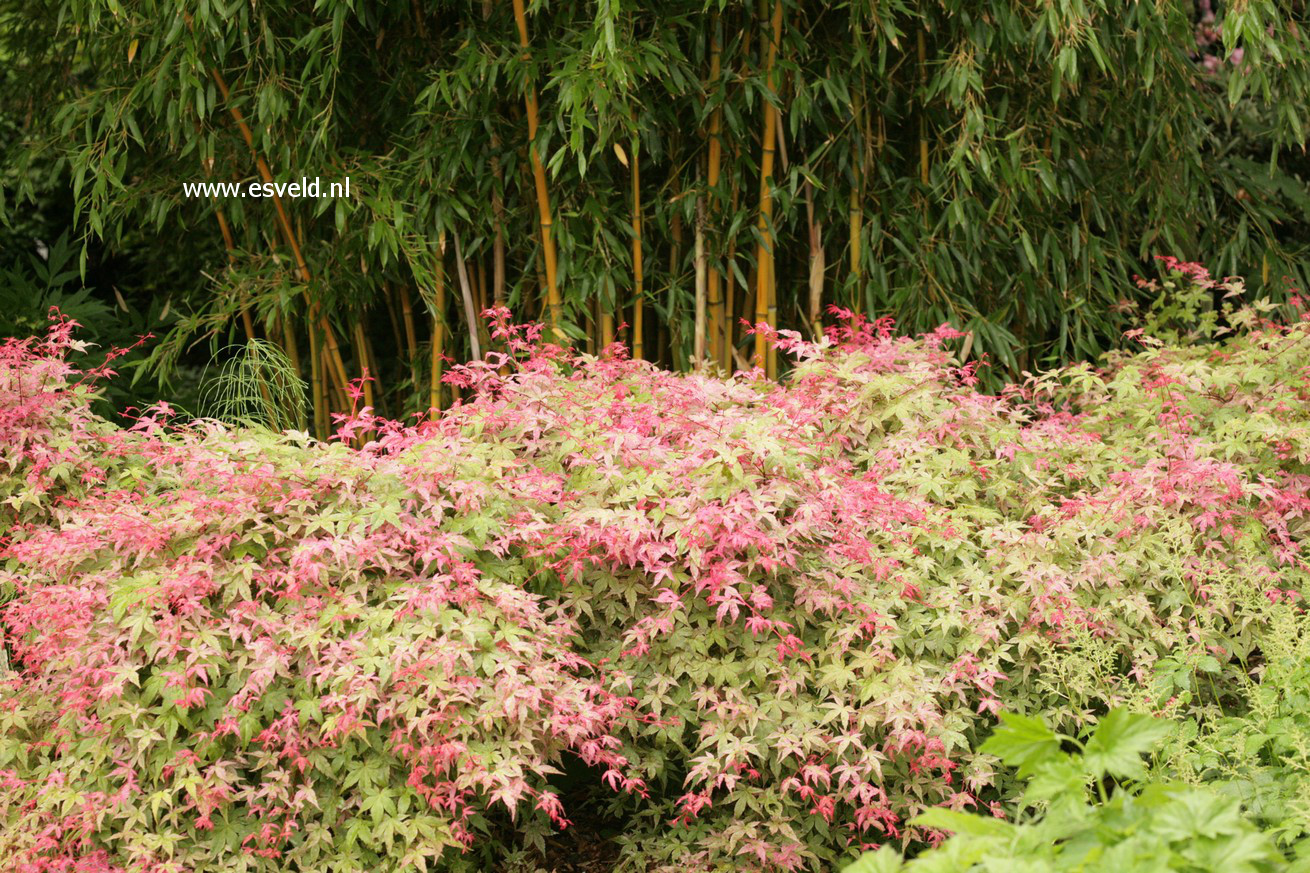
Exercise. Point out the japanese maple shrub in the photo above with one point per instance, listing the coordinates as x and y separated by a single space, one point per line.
774 621
235 652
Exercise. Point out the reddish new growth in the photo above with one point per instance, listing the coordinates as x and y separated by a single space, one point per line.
772 620
278 647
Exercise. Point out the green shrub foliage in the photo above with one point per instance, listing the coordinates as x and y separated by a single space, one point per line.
1259 750
769 624
1141 826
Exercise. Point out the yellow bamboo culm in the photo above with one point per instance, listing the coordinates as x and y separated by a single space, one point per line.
817 263
734 358
411 333
229 243
438 329
718 351
923 114
481 269
730 353
765 305
335 364
497 206
604 311
316 385
289 343
498 245
858 167
857 223
247 323
638 279
700 356
553 303
368 377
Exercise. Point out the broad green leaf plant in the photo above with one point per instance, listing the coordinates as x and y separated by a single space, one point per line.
1091 810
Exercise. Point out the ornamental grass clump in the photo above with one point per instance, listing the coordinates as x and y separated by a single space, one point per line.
764 626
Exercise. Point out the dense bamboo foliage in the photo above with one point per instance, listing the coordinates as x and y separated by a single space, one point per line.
662 173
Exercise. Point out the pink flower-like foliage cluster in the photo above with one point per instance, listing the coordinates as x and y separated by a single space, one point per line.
772 620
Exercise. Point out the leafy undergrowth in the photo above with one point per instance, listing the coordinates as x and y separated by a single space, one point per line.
763 626
1140 826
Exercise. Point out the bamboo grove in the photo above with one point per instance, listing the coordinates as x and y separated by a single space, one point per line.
665 174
